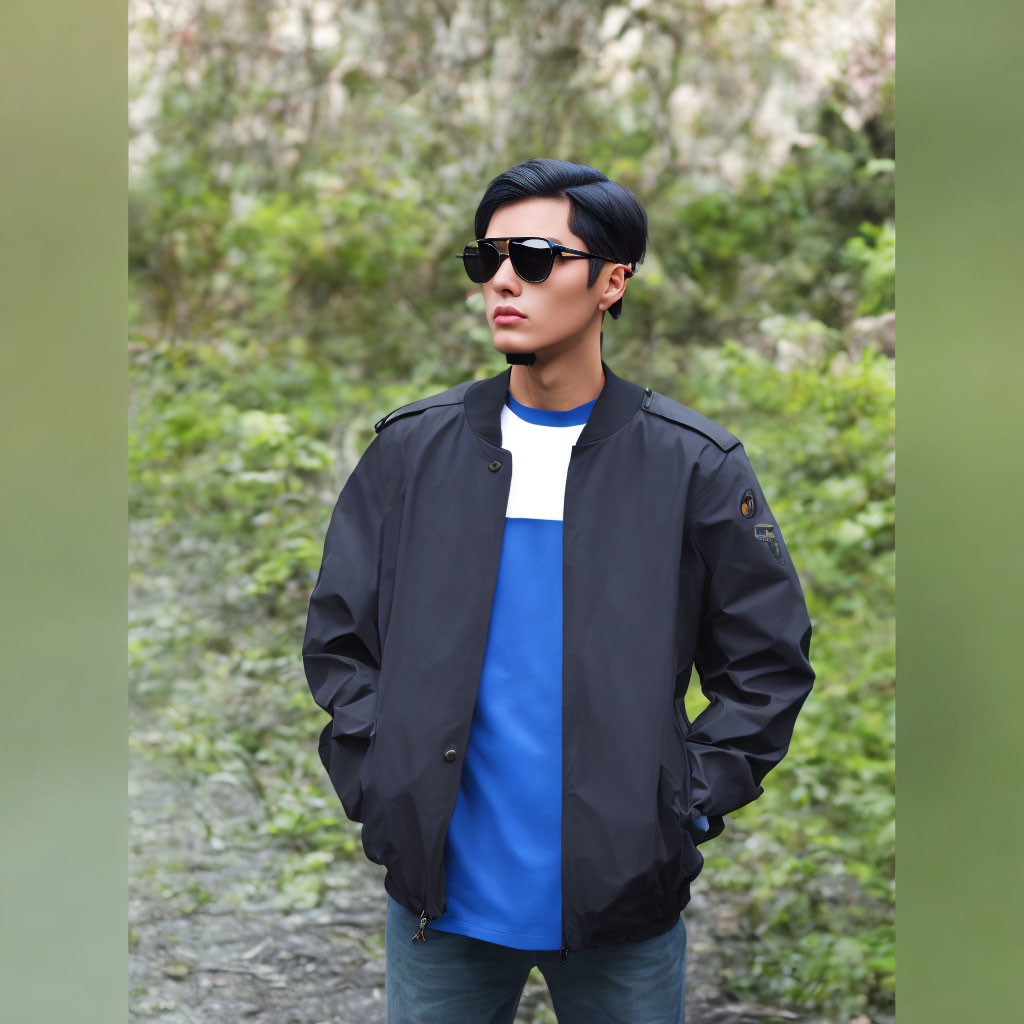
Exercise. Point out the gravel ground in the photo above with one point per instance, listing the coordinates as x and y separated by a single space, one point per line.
213 941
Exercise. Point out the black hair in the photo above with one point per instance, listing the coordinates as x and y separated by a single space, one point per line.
605 214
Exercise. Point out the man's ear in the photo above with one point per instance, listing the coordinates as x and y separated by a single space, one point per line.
616 280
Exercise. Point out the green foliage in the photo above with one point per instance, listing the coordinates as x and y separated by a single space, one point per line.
811 864
873 254
238 448
815 240
341 261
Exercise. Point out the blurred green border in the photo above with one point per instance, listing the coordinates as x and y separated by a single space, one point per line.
63 603
960 268
63 98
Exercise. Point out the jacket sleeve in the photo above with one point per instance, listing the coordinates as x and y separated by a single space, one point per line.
341 650
753 644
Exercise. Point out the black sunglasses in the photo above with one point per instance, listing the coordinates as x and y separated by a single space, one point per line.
532 258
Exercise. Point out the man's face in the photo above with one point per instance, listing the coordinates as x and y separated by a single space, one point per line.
560 312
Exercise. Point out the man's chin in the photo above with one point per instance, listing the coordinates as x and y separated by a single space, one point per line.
511 341
515 352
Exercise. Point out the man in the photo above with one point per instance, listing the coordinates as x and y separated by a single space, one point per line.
517 579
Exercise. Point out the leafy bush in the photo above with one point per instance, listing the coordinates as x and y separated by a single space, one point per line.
811 864
816 241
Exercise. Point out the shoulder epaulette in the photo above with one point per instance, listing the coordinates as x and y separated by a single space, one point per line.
453 396
687 417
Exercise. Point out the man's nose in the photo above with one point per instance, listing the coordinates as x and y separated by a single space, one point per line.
505 278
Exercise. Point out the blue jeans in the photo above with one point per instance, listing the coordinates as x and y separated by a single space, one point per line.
455 978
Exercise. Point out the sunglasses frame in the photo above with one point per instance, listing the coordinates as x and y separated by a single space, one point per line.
556 249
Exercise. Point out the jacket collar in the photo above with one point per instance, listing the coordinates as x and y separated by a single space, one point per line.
618 401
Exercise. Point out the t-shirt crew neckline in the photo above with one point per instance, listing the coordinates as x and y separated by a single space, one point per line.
550 417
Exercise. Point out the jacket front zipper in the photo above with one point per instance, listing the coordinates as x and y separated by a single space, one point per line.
424 918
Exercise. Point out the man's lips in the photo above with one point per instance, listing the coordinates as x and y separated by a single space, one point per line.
507 315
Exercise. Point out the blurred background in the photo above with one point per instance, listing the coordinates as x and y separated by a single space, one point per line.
301 176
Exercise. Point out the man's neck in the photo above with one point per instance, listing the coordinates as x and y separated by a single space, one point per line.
559 384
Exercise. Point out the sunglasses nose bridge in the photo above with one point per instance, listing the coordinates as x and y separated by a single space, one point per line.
504 269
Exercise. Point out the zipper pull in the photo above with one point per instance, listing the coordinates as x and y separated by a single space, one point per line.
424 918
565 953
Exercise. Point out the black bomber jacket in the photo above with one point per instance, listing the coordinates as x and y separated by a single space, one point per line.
672 559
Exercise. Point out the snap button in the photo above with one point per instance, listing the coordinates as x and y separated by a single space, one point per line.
494 466
449 754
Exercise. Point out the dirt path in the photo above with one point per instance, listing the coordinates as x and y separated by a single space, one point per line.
213 942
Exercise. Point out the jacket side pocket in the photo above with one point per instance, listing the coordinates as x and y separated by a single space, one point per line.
352 729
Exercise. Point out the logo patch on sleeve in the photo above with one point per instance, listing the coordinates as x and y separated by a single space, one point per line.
766 532
748 505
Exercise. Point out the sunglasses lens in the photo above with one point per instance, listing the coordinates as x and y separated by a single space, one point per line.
480 261
532 259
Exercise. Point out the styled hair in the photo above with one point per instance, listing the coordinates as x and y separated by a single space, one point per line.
605 214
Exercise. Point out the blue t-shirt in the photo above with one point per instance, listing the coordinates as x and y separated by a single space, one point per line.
503 850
